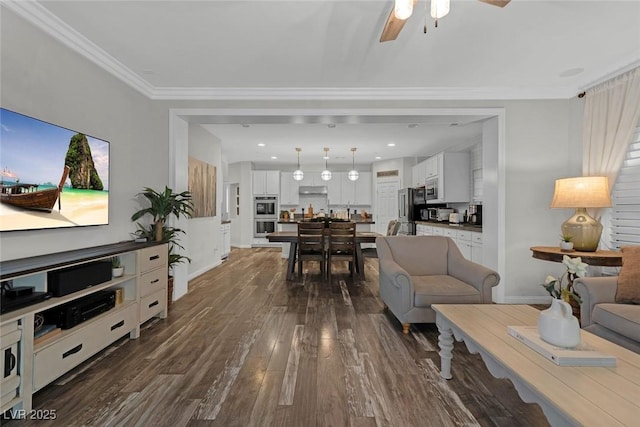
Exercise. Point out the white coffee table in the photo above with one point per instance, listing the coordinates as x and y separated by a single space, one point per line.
589 396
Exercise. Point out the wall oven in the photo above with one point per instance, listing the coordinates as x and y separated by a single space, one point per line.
265 207
262 227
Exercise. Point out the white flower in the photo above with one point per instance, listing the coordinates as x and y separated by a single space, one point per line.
549 280
575 266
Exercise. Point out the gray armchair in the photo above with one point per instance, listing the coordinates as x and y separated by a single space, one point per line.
601 315
417 271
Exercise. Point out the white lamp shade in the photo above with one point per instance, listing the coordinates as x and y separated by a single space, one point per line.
353 175
298 175
325 175
582 192
403 9
439 8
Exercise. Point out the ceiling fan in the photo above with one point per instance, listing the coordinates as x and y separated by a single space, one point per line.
402 10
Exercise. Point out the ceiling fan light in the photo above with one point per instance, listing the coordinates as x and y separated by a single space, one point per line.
326 175
353 175
403 9
439 8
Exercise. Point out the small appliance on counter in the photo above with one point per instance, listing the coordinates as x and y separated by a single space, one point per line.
475 215
443 214
454 218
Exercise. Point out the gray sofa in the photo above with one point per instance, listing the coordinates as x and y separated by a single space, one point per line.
601 315
417 271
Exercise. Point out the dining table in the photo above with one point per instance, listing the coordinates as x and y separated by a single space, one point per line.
292 238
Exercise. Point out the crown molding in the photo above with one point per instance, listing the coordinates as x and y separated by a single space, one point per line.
365 93
42 18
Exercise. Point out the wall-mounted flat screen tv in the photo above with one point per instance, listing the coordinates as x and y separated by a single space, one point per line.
51 177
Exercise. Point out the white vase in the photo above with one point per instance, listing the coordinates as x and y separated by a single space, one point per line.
566 246
558 326
117 272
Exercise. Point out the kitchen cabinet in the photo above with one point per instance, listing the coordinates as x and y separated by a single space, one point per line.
343 191
419 174
362 192
334 189
312 179
469 242
453 178
431 166
266 182
289 189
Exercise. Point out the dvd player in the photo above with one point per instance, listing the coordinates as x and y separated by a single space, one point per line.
75 312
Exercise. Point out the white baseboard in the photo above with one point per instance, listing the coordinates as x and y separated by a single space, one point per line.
203 270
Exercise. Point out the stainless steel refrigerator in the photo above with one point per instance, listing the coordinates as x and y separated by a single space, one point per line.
406 199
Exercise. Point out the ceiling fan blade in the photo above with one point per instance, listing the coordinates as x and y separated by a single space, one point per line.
392 27
499 3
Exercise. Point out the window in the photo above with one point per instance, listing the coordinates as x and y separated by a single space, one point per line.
625 212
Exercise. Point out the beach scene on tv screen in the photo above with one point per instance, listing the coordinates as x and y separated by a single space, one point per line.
50 177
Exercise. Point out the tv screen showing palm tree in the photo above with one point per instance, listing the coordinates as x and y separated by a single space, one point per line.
50 176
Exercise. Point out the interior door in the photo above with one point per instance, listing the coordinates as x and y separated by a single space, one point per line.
386 207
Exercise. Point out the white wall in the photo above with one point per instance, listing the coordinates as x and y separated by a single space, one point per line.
42 79
205 243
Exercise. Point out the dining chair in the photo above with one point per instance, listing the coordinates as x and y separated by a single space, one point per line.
342 245
392 230
311 245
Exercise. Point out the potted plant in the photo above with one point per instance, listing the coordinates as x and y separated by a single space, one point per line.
163 205
565 242
117 269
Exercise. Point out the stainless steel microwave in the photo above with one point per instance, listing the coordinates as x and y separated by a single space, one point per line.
431 189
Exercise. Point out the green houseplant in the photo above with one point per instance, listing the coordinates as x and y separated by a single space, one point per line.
162 206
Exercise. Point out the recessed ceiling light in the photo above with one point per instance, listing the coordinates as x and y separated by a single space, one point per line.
261 144
274 158
391 144
413 125
378 157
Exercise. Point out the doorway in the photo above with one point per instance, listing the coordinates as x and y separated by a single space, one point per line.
386 207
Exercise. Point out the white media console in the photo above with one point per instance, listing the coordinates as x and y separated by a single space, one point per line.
27 366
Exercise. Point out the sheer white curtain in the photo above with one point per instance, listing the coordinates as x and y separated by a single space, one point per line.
611 114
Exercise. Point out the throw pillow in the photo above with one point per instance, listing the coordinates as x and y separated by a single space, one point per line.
629 279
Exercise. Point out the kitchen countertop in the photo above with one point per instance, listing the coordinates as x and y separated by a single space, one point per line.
295 221
444 224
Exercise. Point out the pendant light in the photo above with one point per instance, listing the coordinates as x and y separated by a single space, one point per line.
298 175
326 173
353 173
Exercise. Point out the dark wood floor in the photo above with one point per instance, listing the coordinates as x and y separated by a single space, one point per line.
247 348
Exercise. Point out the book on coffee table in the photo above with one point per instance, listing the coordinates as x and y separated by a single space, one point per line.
581 355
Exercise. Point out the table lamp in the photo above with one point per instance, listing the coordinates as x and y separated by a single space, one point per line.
581 193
